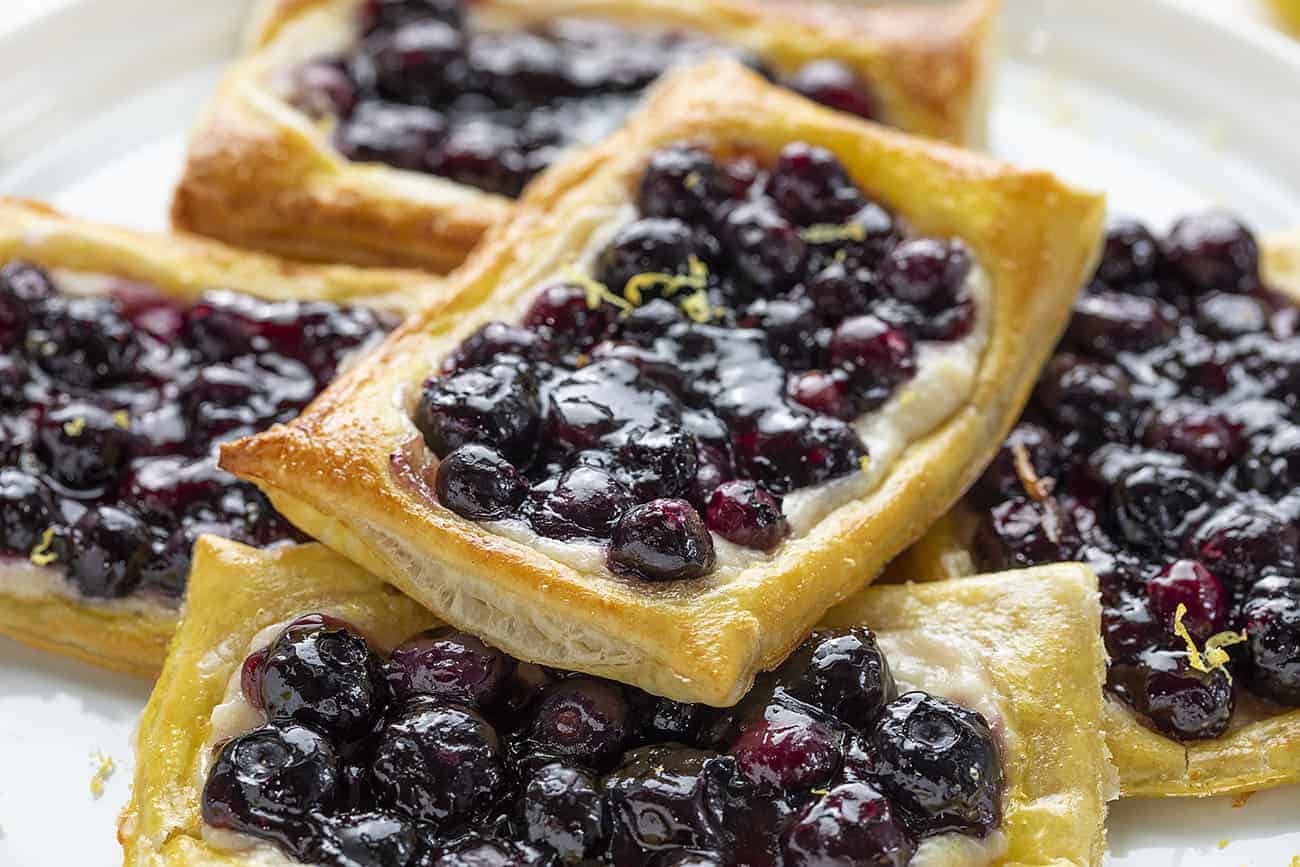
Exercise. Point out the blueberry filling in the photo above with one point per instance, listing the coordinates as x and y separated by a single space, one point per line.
707 367
449 752
423 89
113 406
1163 448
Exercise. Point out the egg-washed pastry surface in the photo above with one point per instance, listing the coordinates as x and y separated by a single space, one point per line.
655 598
310 714
125 358
398 133
1162 448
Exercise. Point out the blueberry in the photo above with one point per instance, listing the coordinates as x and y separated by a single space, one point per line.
663 798
765 249
1156 507
436 761
834 85
1107 323
479 483
926 272
108 549
1131 255
1271 615
365 839
842 673
939 764
582 719
403 136
746 514
84 446
495 405
1179 700
652 245
663 540
83 342
810 185
475 850
26 510
564 811
451 665
684 183
1213 251
586 503
1188 583
320 673
852 825
787 751
271 783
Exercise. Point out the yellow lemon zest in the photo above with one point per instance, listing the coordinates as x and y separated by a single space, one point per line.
865 462
105 766
122 419
829 233
597 292
697 277
692 180
75 427
696 306
1214 656
42 555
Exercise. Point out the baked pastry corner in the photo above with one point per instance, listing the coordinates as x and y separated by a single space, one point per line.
261 174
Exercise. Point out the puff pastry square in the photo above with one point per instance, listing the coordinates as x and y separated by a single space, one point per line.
261 174
1260 750
1029 640
336 471
131 634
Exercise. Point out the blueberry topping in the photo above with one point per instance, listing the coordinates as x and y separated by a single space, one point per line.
451 665
852 824
663 540
746 514
479 483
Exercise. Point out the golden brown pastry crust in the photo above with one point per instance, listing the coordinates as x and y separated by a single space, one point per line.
262 175
332 471
134 639
1038 633
1252 756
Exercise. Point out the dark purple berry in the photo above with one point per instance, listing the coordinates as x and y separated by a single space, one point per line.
852 825
586 503
1179 700
581 719
478 483
940 765
108 548
745 513
451 665
836 86
83 445
1188 583
475 850
402 136
810 186
926 272
563 810
26 510
436 761
1107 323
786 751
663 540
877 356
765 249
684 183
1213 252
567 317
652 246
1271 617
842 673
1206 437
1130 256
1242 542
786 450
495 405
322 674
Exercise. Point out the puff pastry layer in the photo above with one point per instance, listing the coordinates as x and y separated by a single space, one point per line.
132 635
260 174
332 471
1256 753
1036 632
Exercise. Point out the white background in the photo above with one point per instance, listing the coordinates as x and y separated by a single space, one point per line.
1178 119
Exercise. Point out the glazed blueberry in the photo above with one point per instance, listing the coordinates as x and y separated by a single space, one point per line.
1107 323
321 88
656 463
842 673
566 317
851 824
1272 464
107 551
26 510
436 761
663 540
1002 480
786 751
586 503
581 719
495 405
1188 583
1021 532
785 450
1241 542
413 62
1088 396
877 357
1157 506
810 186
660 798
365 839
1131 254
270 782
491 340
828 393
84 446
841 290
834 85
1206 437
939 763
1226 315
684 183
1213 252
475 850
398 135
322 674
450 665
563 811
477 482
1271 618
1179 700
83 342
250 678
765 249
926 272
652 246
745 513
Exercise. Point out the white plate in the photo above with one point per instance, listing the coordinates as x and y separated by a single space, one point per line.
1168 106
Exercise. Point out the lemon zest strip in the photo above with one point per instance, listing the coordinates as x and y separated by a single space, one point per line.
1215 656
42 555
122 419
829 233
75 427
597 292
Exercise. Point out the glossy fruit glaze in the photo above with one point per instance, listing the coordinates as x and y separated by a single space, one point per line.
1162 447
113 406
448 753
425 90
707 363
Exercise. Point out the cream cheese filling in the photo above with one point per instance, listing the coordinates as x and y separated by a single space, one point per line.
950 667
